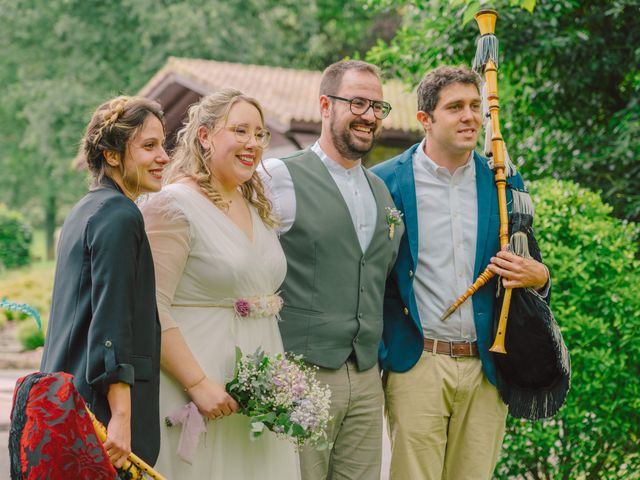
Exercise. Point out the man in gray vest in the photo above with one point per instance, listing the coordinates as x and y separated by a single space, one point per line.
340 233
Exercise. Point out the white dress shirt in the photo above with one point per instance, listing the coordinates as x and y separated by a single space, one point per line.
351 182
447 208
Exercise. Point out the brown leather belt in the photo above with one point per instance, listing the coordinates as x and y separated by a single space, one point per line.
455 349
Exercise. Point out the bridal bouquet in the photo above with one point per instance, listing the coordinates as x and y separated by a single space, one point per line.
281 393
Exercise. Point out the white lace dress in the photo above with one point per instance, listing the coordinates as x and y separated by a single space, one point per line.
202 258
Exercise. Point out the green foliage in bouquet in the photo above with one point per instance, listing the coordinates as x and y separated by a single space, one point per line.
280 393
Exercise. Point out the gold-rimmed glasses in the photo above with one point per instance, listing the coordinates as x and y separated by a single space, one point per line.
243 134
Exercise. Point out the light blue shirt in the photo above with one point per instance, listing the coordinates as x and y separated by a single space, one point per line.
447 206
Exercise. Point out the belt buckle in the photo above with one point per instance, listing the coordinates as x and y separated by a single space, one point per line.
453 355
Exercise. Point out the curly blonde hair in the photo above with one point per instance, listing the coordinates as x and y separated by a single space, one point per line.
190 159
112 126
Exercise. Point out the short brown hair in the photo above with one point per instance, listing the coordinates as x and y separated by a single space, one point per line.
112 125
332 75
433 83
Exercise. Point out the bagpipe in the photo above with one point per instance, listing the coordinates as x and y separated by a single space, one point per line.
54 435
134 467
532 360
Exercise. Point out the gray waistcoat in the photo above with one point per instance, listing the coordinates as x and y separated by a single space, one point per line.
333 293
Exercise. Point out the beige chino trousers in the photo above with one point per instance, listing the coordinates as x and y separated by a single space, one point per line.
445 420
355 429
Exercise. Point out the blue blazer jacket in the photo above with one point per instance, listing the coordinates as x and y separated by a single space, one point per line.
402 338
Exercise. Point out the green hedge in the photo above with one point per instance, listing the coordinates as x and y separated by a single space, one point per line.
30 336
595 298
33 286
15 239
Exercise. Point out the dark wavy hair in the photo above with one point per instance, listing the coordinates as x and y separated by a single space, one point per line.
112 126
433 83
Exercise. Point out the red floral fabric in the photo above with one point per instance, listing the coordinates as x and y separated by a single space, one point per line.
58 440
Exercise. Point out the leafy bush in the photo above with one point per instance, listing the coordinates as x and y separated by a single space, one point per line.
30 336
32 286
596 274
15 239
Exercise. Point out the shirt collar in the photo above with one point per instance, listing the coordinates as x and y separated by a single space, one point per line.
423 161
330 163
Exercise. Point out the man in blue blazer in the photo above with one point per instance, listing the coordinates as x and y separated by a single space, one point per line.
446 419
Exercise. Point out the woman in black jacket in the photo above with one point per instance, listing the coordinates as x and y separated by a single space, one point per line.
103 326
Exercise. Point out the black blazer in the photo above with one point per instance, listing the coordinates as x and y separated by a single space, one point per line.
103 326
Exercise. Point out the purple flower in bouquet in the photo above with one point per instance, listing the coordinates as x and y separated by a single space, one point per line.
289 381
281 394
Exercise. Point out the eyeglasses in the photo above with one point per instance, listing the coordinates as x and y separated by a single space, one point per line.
360 106
243 135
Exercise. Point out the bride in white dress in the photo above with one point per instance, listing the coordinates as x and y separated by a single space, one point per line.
212 237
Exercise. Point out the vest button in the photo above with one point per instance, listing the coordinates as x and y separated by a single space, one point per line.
410 273
362 289
108 344
405 310
362 263
360 315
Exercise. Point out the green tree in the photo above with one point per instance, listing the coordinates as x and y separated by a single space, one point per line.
569 82
61 58
592 258
15 239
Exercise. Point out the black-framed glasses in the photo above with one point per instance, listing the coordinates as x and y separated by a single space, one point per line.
243 135
360 106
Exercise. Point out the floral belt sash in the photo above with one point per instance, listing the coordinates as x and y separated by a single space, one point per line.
249 307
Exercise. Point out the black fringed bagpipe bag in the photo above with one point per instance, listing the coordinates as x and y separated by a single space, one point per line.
534 375
54 435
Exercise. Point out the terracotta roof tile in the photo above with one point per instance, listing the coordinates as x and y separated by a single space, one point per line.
287 95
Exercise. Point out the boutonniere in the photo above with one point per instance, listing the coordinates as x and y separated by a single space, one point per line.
394 217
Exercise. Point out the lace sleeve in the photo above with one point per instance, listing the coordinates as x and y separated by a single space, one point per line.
169 234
